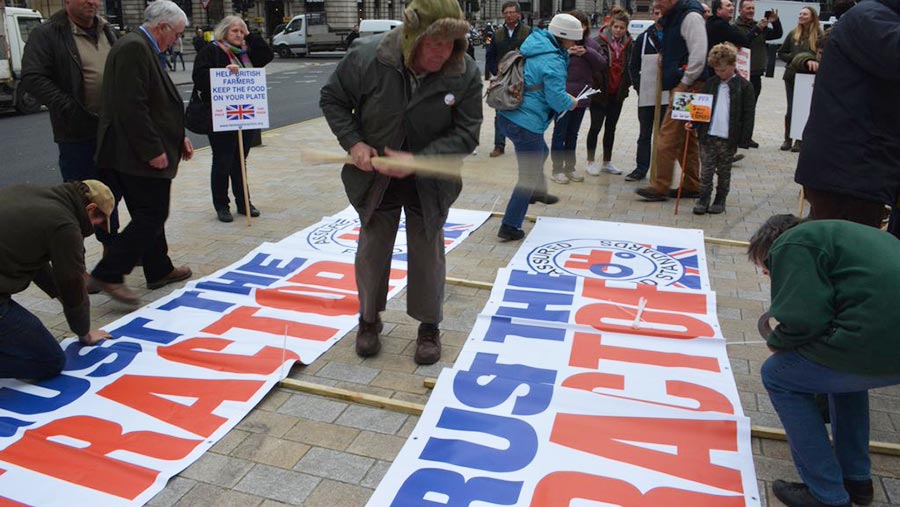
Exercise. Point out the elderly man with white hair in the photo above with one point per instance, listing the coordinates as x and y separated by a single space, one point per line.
140 141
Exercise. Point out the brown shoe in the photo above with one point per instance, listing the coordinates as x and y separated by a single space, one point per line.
118 291
428 344
367 342
176 275
498 150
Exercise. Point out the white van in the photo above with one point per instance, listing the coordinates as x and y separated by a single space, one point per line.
375 26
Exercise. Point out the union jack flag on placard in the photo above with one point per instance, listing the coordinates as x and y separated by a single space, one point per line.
240 112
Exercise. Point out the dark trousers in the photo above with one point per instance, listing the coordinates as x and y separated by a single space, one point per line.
173 63
226 165
425 261
499 138
144 238
76 163
645 137
756 81
825 205
565 141
716 155
608 113
27 349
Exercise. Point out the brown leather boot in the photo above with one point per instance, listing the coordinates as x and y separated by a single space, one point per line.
367 340
428 344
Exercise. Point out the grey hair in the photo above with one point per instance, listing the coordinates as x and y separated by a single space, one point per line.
764 238
164 11
222 28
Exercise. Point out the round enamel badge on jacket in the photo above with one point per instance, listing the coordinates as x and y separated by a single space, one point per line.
449 99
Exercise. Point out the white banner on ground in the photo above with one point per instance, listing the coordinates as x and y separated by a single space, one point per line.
339 233
577 387
486 439
131 412
615 251
239 100
803 92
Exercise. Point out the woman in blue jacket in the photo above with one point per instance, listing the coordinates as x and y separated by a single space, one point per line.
546 63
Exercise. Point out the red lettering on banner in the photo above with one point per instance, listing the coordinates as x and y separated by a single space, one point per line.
90 466
145 394
693 440
6 502
308 300
560 488
709 400
588 350
661 300
315 275
245 317
200 352
686 327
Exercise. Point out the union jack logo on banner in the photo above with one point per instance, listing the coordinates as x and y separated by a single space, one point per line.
240 112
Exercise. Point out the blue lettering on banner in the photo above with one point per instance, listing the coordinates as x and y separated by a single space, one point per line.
239 283
459 491
501 327
136 329
255 265
542 281
68 389
192 299
536 305
10 426
123 353
503 382
523 443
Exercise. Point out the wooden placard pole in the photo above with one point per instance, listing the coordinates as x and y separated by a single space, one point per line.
687 141
240 134
657 106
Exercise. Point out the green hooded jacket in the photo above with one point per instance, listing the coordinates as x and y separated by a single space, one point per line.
370 98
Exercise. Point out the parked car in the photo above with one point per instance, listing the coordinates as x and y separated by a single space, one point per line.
375 26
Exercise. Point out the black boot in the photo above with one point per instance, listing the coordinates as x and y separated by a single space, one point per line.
786 145
702 205
718 205
368 341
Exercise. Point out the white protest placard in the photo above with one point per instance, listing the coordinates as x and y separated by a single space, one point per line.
803 91
239 101
692 106
743 63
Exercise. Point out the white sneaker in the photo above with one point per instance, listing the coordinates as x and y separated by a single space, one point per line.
592 169
575 177
560 178
608 167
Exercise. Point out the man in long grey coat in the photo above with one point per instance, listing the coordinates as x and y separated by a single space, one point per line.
410 92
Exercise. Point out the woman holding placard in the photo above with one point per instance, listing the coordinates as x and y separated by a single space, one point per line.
804 39
234 48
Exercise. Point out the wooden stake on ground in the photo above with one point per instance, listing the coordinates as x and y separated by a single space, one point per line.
240 134
361 398
687 140
800 205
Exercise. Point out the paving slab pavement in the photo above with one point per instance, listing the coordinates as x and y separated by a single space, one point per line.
300 449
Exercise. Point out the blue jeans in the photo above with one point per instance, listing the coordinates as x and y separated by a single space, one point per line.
531 153
499 138
792 382
645 137
76 163
565 140
27 349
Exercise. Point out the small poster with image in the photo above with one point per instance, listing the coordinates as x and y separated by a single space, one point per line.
743 63
688 106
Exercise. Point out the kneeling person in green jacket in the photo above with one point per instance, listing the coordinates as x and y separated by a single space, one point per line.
412 91
42 241
835 285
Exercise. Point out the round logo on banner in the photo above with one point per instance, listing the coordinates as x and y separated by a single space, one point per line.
342 236
624 261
